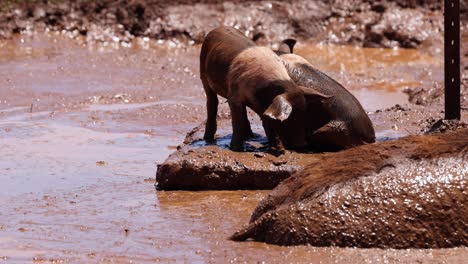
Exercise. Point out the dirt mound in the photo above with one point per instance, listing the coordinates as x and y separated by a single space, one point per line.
366 23
435 94
408 193
197 166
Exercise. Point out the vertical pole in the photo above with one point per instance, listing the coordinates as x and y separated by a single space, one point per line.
452 58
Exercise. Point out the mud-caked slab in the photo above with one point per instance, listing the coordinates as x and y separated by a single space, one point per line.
406 193
197 165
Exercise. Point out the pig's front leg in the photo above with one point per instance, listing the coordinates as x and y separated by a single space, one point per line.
238 115
332 136
274 140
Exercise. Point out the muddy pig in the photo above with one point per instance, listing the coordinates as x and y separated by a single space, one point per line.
406 193
334 124
232 66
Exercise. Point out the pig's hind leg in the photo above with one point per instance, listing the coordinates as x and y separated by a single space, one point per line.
212 112
333 136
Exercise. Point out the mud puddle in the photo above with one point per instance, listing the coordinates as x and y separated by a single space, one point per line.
42 155
81 131
376 76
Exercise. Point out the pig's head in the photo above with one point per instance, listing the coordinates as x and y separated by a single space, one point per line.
287 113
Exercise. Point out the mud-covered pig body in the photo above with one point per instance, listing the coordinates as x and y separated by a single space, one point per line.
334 124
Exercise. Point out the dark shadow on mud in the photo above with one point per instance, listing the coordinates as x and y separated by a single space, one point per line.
259 143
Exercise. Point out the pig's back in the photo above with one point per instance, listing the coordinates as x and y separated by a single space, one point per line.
257 66
219 49
343 106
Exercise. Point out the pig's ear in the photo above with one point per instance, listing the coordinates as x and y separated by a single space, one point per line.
312 93
287 45
280 109
291 43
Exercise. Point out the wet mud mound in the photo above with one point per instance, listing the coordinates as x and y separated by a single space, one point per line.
408 193
197 166
366 23
435 94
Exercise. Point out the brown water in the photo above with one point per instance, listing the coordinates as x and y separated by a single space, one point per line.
376 74
82 128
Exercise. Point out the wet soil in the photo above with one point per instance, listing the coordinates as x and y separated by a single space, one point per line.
407 193
83 123
396 23
197 165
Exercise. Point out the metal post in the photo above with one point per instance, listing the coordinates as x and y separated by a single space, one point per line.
452 58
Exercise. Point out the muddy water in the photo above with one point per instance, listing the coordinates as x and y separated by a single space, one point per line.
373 74
82 128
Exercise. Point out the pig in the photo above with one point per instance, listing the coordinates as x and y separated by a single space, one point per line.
234 67
334 124
372 196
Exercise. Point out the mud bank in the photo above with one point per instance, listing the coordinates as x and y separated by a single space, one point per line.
408 193
365 23
197 166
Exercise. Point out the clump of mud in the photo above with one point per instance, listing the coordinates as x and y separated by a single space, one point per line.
442 125
358 22
433 98
435 94
408 193
386 23
198 166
